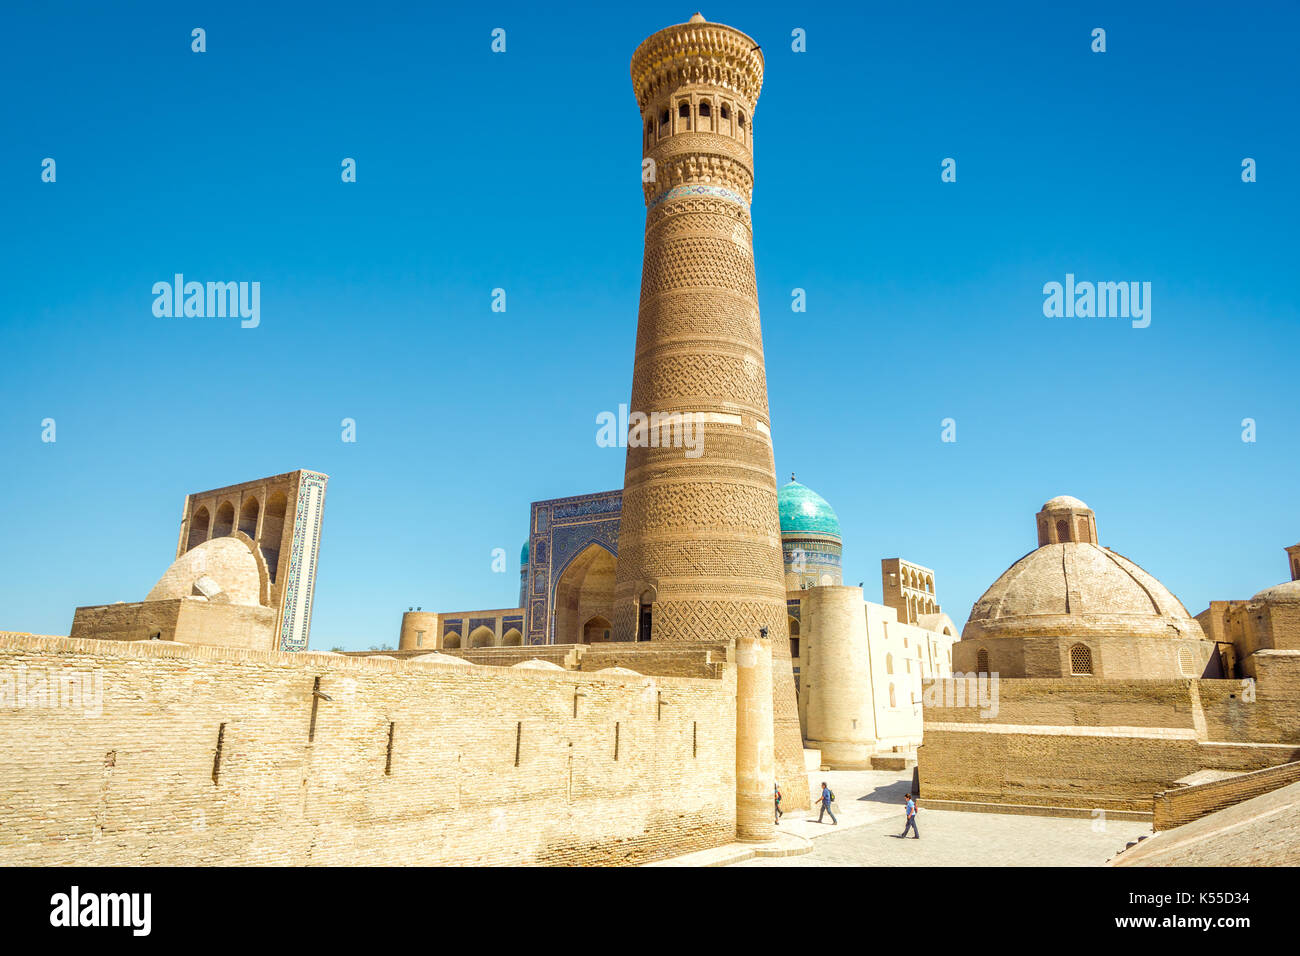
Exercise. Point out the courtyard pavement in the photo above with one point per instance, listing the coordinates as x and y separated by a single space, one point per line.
871 818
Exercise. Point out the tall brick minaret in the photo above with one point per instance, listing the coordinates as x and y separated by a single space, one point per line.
699 551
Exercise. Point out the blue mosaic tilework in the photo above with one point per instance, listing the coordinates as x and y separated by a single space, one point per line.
563 528
300 580
716 192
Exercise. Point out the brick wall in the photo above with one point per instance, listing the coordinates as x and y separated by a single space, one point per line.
1078 742
1266 710
1181 805
199 622
673 660
487 765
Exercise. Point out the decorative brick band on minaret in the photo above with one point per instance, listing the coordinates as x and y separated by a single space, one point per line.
699 552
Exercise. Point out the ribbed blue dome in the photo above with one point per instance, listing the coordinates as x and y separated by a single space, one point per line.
523 556
803 510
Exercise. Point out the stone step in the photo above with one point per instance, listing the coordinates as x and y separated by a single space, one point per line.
893 761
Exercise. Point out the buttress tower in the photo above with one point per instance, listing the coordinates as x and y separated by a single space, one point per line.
699 550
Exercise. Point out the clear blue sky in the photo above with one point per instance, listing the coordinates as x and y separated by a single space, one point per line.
521 171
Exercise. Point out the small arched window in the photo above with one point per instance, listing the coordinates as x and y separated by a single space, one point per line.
705 109
1062 530
663 119
982 662
1080 661
726 113
892 701
889 663
740 120
199 528
684 110
248 517
225 522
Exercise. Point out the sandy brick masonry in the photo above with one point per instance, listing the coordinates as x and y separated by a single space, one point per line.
207 755
1182 805
1075 742
676 660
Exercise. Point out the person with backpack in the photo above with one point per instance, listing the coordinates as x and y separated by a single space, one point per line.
910 806
776 788
828 796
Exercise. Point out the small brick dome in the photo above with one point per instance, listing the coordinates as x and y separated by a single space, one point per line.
1288 593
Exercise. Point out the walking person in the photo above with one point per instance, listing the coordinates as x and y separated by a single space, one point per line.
827 796
776 789
910 807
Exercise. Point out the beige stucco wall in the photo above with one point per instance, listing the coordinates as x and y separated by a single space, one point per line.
883 673
839 710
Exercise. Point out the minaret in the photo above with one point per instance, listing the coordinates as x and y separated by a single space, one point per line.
699 551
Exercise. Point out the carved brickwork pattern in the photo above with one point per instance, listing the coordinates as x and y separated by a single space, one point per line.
689 505
662 379
709 468
698 314
705 144
697 262
697 53
708 225
696 204
745 561
694 167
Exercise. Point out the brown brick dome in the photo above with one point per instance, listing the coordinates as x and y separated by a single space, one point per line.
1288 593
1078 589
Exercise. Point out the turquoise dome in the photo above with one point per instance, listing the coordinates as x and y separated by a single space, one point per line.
803 511
523 556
